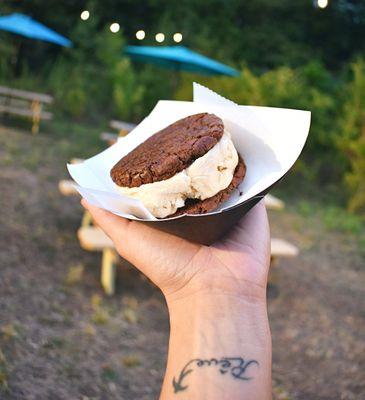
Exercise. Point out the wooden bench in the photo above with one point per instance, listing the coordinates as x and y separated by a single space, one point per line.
122 127
67 188
92 238
283 249
109 138
273 203
25 104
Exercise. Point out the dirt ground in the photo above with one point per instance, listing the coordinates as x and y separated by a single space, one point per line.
61 338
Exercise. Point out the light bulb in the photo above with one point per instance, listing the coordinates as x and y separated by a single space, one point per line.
322 3
85 15
114 27
140 35
160 37
178 37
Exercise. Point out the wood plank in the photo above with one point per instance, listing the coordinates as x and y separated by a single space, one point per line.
122 125
273 203
108 137
15 102
67 188
282 248
24 94
94 239
108 269
25 112
77 160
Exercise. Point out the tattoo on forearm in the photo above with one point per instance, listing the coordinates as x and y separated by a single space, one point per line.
236 367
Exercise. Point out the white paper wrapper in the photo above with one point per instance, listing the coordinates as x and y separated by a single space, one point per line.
269 140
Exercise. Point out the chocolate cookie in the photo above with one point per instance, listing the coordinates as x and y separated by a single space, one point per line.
193 206
169 151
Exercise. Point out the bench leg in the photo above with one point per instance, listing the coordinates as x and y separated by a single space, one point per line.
108 271
86 219
36 108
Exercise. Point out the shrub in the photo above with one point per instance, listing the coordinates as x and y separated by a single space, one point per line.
127 92
351 136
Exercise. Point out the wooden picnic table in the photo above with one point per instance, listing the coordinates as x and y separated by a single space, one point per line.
25 104
122 127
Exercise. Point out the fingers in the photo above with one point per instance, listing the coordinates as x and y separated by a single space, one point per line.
255 222
111 224
251 235
152 251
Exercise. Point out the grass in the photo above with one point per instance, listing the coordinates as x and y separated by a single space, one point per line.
3 373
108 374
131 361
65 140
101 314
9 331
336 218
76 139
130 315
333 217
281 394
89 330
55 342
74 274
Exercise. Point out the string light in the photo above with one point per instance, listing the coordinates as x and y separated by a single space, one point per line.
140 35
160 37
178 37
322 3
85 15
114 27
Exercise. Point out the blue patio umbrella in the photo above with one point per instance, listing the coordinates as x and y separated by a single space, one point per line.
21 24
179 58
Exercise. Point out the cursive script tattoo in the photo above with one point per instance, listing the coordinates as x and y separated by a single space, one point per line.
236 367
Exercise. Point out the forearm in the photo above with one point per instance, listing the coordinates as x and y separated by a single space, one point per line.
220 348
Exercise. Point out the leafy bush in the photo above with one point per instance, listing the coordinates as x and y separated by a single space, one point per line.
93 82
94 79
127 92
351 136
8 54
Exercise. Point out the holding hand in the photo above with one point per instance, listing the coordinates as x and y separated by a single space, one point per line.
216 297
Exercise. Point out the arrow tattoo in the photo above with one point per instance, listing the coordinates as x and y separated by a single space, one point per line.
235 366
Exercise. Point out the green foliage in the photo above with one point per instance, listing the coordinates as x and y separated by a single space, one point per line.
93 76
334 218
290 54
7 59
127 92
351 136
265 34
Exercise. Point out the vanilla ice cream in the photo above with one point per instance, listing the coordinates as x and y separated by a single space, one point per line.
204 178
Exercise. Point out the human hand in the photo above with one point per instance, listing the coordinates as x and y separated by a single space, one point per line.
237 265
216 297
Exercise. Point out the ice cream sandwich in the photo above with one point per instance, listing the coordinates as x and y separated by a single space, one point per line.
189 167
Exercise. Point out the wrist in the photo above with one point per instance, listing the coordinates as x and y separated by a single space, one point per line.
220 314
208 291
